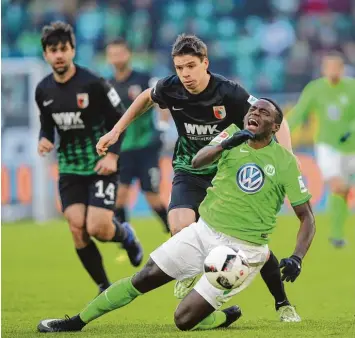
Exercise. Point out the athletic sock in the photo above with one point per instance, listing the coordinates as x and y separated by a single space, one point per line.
212 321
163 215
121 215
91 259
117 295
271 275
338 211
120 231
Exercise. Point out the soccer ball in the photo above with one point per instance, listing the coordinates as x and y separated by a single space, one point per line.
225 268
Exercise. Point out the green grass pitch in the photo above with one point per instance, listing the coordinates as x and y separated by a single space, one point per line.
42 278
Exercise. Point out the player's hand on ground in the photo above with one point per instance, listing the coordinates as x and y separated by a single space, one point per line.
44 146
291 268
237 139
345 137
107 140
107 165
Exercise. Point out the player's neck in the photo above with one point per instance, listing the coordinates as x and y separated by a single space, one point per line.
123 74
62 78
203 85
334 82
258 144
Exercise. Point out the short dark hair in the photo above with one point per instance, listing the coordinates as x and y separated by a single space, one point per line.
189 45
120 42
280 114
334 54
57 32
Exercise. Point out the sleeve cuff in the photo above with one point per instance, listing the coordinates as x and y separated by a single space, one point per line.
306 199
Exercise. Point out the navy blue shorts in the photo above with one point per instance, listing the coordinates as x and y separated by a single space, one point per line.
189 190
141 164
95 190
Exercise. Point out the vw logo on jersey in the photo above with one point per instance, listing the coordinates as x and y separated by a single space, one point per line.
250 178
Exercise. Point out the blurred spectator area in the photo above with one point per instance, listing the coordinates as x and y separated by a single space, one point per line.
268 45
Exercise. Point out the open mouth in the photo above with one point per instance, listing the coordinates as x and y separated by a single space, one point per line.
252 122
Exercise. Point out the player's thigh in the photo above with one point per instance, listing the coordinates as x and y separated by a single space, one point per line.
75 214
99 221
73 189
182 256
186 196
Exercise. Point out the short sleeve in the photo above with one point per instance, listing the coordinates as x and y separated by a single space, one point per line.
295 188
157 93
225 134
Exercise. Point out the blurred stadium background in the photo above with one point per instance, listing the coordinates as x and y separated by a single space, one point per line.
272 47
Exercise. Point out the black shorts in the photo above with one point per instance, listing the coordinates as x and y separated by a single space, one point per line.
142 164
189 190
95 190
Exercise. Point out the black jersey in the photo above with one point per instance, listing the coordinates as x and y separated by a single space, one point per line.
142 132
201 117
81 110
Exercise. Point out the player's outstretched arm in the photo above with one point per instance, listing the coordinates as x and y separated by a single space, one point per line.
140 105
292 265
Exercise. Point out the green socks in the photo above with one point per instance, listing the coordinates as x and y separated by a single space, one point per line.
338 211
117 295
212 321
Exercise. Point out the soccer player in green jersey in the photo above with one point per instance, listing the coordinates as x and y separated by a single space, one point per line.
202 104
332 99
239 211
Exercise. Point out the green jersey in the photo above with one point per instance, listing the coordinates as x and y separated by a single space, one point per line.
334 106
142 132
249 189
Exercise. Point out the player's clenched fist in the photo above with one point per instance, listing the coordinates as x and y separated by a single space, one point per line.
107 140
291 268
237 139
44 146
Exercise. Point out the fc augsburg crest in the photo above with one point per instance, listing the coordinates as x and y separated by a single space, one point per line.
219 112
82 100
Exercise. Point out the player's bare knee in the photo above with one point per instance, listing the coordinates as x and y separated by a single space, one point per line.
183 320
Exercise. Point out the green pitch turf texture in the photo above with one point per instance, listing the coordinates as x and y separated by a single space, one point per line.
43 278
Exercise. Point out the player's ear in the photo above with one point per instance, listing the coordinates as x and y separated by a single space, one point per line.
206 63
276 128
45 56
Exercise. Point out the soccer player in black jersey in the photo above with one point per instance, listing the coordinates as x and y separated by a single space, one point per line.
81 106
140 149
202 105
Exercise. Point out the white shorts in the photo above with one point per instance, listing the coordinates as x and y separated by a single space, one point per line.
183 255
333 163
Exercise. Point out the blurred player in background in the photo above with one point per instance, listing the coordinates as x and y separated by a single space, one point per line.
81 106
202 105
230 215
140 149
332 99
